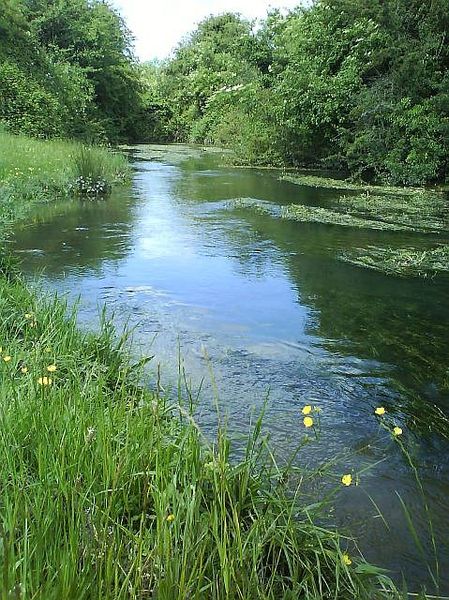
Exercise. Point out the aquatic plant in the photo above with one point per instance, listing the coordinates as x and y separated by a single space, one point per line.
317 214
422 211
400 261
319 181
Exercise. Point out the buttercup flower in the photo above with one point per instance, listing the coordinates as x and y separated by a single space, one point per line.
45 381
6 358
346 479
308 421
397 431
307 410
51 368
346 559
24 370
380 410
170 518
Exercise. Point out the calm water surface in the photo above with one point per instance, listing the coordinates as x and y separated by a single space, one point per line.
265 305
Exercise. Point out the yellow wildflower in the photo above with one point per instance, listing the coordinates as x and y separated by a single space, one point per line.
346 559
24 370
397 431
380 410
6 358
307 410
170 518
45 381
346 479
28 315
51 368
308 421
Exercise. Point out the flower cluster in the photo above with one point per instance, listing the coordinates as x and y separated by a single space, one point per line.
380 411
5 356
90 186
307 410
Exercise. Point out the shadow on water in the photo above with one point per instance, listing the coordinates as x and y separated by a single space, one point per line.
275 312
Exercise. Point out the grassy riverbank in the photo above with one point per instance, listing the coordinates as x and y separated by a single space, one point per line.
36 171
110 491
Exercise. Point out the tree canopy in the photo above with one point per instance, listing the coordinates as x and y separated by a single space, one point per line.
66 68
348 84
356 85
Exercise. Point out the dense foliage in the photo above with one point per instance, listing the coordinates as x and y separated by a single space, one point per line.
66 70
357 85
353 84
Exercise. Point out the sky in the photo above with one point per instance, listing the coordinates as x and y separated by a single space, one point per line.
158 25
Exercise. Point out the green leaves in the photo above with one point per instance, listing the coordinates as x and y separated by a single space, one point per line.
354 85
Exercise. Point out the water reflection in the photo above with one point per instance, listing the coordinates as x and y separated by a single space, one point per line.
65 236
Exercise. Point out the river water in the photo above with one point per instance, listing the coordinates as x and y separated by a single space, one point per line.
258 311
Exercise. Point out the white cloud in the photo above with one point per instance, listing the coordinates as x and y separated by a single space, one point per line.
159 26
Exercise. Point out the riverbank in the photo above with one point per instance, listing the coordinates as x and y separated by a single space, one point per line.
109 491
37 171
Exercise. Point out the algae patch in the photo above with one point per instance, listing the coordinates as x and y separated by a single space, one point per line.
400 261
261 207
317 181
317 214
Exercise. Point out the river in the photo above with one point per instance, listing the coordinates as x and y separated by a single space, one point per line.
258 311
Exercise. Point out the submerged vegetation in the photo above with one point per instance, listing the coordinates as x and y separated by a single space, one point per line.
425 212
317 214
400 261
320 181
414 211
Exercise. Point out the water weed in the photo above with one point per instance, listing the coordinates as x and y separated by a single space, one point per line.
318 214
400 261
